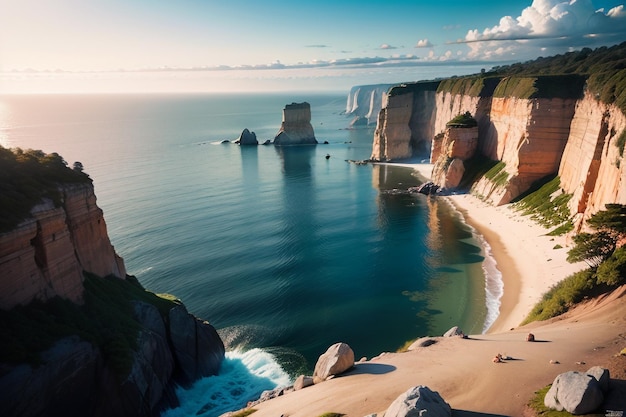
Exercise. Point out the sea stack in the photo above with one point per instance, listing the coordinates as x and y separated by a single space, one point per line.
296 127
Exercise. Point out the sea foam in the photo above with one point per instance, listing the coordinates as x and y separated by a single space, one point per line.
243 377
494 286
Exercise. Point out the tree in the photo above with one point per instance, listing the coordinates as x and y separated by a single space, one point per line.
78 166
592 248
595 248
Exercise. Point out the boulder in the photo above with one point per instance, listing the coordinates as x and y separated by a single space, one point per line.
302 381
337 359
419 401
574 392
601 375
247 138
530 337
454 331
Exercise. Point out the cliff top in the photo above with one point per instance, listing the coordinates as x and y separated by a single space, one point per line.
27 177
602 71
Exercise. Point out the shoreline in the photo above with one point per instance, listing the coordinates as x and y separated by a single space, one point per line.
462 370
530 261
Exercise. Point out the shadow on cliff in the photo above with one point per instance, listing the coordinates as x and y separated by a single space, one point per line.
370 368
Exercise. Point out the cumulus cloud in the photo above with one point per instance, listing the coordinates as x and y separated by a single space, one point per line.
423 43
387 46
548 26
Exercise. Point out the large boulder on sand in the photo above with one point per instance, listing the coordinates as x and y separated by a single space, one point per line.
337 359
419 401
574 392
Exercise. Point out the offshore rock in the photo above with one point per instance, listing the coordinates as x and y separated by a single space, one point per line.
296 128
337 359
419 401
247 138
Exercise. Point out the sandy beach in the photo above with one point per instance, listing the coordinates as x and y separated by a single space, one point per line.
530 261
462 370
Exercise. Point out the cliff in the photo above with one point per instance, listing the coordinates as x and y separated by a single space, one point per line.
46 255
296 128
535 126
406 122
365 102
80 337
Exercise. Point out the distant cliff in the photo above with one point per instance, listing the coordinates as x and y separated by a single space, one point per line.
80 337
535 126
365 102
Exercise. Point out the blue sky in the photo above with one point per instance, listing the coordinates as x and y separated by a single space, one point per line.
272 44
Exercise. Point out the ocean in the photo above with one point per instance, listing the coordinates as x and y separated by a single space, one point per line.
283 250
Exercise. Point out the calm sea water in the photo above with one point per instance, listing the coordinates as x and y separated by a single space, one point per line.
284 251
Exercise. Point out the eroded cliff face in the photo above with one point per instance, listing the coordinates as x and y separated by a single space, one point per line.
47 254
572 137
529 136
406 122
592 169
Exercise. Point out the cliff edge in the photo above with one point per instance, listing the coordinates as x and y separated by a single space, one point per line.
80 337
531 126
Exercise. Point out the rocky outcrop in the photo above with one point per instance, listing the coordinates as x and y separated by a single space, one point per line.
247 138
296 128
365 102
104 347
74 379
337 359
419 401
457 145
46 255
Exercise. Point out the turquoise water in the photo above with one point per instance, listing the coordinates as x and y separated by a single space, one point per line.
284 251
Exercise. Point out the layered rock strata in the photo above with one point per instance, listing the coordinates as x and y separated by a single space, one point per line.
568 132
296 128
47 254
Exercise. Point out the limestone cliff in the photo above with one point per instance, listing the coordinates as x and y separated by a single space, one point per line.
366 101
406 122
535 126
80 337
46 255
296 128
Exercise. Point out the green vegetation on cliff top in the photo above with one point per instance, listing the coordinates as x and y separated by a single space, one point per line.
105 320
602 69
27 177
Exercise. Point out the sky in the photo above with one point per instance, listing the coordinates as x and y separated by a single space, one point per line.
55 46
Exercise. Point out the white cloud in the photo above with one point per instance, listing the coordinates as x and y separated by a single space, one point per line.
549 26
423 43
387 46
